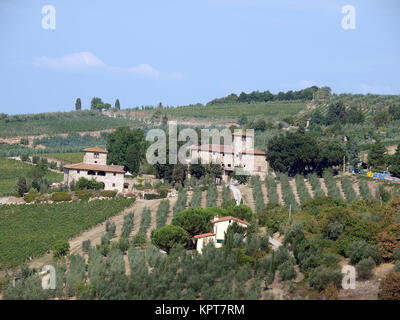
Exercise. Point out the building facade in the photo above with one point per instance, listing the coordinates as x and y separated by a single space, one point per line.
238 154
217 236
94 166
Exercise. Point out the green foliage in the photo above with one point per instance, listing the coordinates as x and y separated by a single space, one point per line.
271 189
194 221
21 186
321 276
108 193
301 187
348 190
257 193
211 196
76 274
330 182
31 230
315 185
195 202
86 245
61 196
83 194
364 190
92 184
145 221
394 168
377 156
287 271
127 148
181 201
162 212
169 236
364 268
359 250
127 225
287 192
60 249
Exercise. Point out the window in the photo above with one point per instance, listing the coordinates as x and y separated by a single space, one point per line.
243 138
115 174
96 155
126 185
79 171
113 184
91 173
101 173
95 162
220 241
229 165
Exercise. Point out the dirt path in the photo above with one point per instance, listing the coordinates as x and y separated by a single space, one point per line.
292 184
219 197
323 186
247 196
265 192
309 188
279 192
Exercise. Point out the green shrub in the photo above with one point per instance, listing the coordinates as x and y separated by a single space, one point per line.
321 276
83 194
287 271
364 268
32 196
86 245
61 196
396 253
108 193
60 249
84 183
397 266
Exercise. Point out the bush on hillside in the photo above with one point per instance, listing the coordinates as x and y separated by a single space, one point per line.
364 268
61 196
108 193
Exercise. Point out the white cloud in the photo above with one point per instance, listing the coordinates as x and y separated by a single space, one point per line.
82 61
145 70
71 61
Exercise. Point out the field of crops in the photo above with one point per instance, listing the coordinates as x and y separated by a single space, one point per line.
75 157
30 230
68 122
270 110
10 170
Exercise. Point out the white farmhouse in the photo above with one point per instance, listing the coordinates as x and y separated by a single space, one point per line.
238 154
94 166
217 236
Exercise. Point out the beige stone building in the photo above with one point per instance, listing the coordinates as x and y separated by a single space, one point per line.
217 236
238 154
94 166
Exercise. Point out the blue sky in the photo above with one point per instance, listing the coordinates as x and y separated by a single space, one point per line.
181 52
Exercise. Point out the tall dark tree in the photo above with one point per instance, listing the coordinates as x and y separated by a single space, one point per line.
117 106
21 186
78 104
376 156
127 147
96 104
353 151
336 113
331 153
293 152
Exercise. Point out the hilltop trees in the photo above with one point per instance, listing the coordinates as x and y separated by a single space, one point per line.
96 104
169 236
78 104
126 147
117 106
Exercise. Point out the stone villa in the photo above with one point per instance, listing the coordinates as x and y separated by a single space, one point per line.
217 236
94 166
239 154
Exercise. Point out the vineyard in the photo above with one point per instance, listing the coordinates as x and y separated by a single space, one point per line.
10 170
31 230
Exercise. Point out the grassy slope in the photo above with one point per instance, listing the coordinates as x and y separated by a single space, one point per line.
62 124
30 230
10 170
270 111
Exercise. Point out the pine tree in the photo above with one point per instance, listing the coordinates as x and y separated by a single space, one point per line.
353 151
22 186
78 104
117 105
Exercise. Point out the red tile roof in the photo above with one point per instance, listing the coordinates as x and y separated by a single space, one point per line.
95 167
230 218
204 235
95 149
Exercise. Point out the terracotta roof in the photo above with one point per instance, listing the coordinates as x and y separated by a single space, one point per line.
95 167
224 149
204 235
230 218
95 149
